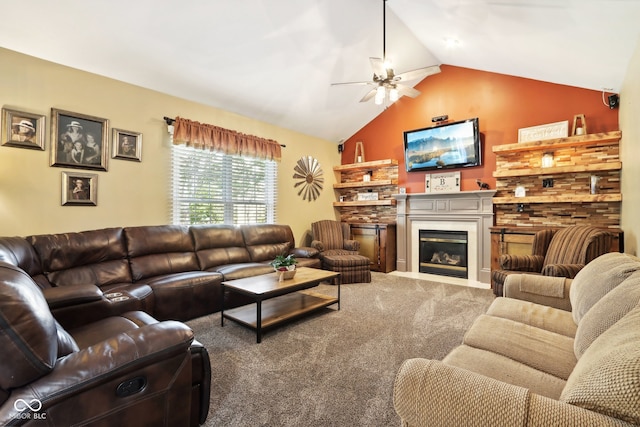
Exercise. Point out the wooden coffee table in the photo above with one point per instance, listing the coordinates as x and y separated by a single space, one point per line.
278 302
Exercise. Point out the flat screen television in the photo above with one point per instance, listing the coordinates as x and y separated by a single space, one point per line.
449 145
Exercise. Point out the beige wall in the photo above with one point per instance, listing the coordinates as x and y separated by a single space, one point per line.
630 154
129 193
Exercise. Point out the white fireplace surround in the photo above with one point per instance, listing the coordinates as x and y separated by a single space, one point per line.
472 242
470 211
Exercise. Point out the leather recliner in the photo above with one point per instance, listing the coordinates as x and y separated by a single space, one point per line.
128 369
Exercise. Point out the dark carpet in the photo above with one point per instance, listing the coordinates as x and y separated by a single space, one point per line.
335 368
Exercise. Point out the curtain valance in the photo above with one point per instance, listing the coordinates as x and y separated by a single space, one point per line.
209 137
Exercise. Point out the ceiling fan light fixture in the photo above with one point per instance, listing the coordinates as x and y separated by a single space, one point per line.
393 94
381 93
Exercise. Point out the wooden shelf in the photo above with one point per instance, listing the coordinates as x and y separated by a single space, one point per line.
606 138
385 202
379 183
564 198
598 167
366 165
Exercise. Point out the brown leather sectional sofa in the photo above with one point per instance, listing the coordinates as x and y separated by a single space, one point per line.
88 330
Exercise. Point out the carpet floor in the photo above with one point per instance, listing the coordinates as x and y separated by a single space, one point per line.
335 368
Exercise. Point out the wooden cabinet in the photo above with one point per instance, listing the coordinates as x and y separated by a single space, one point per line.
378 243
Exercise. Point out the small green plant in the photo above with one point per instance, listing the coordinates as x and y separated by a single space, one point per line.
282 262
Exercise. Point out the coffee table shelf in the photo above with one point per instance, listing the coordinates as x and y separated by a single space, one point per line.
279 310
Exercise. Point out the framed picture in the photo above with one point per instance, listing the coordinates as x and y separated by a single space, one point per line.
126 145
78 140
24 130
79 189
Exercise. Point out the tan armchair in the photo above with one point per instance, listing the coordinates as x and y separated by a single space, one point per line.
558 253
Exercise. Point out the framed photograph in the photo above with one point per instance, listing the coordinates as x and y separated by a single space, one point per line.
79 141
79 189
126 145
24 130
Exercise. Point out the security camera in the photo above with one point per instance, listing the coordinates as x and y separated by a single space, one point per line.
341 146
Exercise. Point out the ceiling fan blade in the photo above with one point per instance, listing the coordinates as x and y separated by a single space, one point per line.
352 83
369 95
407 91
419 73
377 65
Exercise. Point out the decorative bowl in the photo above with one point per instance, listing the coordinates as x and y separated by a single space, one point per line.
286 274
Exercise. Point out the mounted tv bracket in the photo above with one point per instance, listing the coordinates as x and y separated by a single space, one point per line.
439 119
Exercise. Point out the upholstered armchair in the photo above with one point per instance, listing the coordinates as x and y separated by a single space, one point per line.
558 253
122 370
333 238
338 252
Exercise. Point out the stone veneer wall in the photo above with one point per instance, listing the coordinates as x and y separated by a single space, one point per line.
373 214
603 214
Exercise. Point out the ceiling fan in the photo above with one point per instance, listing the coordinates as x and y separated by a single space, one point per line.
388 84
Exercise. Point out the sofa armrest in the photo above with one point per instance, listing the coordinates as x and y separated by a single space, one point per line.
524 263
562 270
305 252
94 373
431 393
351 245
65 296
317 245
544 290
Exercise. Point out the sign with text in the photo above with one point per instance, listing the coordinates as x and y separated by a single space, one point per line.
442 182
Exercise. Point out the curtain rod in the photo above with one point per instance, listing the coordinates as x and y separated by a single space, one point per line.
169 121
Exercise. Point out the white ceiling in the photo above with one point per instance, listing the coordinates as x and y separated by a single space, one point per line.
275 60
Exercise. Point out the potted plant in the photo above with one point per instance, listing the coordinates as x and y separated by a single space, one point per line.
285 265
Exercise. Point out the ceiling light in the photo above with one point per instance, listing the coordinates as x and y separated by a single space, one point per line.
451 42
393 94
381 93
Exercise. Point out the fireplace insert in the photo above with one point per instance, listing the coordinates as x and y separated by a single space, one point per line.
444 253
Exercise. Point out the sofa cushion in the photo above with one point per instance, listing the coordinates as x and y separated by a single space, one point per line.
502 368
606 312
96 257
28 335
186 295
19 252
266 241
607 376
159 250
246 269
218 245
599 277
543 350
540 316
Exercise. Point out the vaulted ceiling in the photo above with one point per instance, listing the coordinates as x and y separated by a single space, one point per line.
275 60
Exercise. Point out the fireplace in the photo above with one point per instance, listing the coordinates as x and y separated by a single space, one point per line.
470 212
444 253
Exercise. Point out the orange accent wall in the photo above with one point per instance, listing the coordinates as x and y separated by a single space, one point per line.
502 103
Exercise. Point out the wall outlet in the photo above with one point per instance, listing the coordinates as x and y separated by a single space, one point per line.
547 183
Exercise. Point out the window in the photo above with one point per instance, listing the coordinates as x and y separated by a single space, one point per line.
215 188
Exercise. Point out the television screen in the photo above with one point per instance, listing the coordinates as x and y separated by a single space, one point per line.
450 145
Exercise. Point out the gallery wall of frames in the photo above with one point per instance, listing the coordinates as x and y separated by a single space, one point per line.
76 141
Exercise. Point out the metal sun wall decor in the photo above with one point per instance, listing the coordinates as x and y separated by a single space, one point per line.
308 174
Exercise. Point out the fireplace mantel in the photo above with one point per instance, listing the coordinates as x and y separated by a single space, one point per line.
469 208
